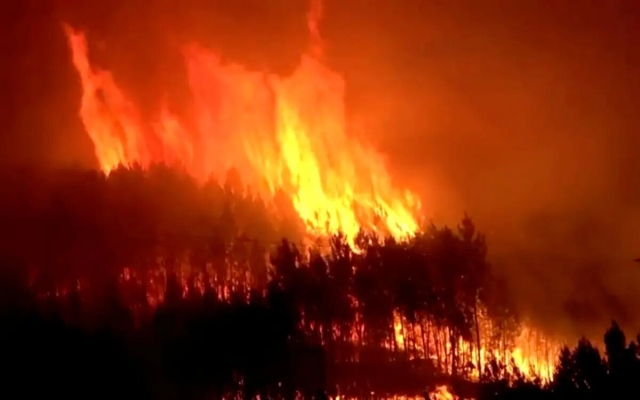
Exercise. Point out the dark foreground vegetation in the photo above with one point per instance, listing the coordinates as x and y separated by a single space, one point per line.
147 285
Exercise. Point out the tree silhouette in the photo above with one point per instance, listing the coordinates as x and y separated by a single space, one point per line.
182 290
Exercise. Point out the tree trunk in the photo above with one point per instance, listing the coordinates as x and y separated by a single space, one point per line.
425 339
454 352
478 341
438 343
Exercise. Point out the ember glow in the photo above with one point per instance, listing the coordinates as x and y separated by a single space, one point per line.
441 393
280 133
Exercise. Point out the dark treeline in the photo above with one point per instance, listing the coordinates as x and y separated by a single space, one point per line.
144 284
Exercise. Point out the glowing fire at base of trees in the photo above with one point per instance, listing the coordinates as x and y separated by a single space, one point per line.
441 393
367 299
528 353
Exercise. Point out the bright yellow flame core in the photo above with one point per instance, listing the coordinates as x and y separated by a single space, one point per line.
287 134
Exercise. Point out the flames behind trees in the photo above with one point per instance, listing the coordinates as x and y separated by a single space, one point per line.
165 237
202 305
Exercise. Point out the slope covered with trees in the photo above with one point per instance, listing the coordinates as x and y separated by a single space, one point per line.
146 284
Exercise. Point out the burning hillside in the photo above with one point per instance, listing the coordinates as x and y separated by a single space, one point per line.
280 133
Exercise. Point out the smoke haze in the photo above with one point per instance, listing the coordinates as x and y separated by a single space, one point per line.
519 113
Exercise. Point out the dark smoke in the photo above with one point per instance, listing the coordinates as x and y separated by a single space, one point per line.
520 113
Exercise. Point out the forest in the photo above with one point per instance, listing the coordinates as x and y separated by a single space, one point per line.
144 283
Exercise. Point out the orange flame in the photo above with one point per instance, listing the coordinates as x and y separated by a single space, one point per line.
288 134
531 354
442 393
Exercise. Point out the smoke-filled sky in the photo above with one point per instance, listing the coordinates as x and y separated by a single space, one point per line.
518 112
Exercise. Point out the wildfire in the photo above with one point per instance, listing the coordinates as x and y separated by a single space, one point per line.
280 133
288 134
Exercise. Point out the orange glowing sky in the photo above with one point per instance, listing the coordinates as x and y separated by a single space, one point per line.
521 113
